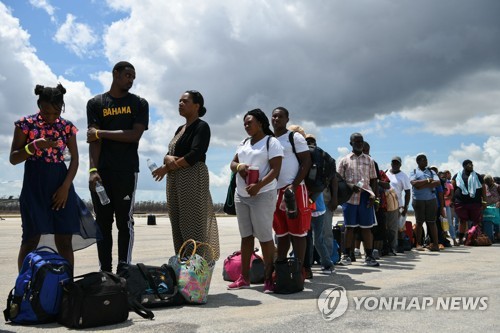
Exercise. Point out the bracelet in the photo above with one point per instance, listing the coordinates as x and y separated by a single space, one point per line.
96 135
34 144
92 170
237 167
28 150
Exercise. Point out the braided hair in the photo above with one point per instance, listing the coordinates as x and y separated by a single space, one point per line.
262 119
54 96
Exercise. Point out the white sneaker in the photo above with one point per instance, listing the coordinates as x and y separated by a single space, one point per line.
370 261
346 260
327 270
357 253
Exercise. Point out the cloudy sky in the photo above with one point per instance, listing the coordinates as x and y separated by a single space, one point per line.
411 76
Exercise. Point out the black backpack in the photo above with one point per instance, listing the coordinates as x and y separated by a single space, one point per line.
322 170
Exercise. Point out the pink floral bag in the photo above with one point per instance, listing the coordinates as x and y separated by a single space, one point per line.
194 266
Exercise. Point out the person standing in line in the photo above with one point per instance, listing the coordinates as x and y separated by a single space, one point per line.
294 169
400 182
255 202
469 197
424 182
48 200
189 201
116 121
358 169
315 237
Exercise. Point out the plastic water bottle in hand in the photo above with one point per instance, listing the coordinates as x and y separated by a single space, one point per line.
101 192
152 165
291 204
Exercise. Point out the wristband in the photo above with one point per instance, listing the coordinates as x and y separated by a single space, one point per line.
96 135
34 145
428 180
92 170
28 150
238 167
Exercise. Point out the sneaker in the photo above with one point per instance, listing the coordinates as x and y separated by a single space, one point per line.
240 283
346 260
357 253
308 275
419 248
268 287
327 270
370 261
392 253
375 254
122 268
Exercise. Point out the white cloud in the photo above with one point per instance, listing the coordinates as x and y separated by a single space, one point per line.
79 38
334 63
469 106
45 5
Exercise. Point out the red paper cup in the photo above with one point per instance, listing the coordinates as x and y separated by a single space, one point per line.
252 175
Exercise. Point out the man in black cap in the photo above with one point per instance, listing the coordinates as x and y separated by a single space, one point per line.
116 121
469 198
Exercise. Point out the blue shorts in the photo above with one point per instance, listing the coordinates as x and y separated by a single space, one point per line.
359 215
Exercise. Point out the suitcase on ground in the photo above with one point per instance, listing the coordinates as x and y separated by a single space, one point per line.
409 232
338 231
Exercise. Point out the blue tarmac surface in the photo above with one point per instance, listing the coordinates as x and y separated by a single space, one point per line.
414 291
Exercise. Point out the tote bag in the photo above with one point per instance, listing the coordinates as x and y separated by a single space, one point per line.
193 267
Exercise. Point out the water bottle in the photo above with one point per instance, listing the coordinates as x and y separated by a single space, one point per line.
312 172
152 165
291 204
360 183
101 192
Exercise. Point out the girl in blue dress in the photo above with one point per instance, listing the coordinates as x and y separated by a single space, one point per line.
48 200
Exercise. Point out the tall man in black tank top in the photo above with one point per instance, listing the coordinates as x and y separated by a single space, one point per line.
116 121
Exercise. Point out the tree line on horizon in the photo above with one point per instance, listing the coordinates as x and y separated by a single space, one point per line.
10 205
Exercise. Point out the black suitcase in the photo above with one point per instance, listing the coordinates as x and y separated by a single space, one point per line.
94 299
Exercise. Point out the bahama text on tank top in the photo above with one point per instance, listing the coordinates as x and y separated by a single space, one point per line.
116 111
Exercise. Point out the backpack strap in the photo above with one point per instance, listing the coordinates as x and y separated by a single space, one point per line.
140 309
292 142
267 143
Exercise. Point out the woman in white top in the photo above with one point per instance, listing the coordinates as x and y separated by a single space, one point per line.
255 203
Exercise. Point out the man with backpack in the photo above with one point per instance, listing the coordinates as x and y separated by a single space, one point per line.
291 227
315 238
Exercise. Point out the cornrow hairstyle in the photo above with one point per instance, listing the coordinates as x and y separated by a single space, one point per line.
197 98
54 96
262 119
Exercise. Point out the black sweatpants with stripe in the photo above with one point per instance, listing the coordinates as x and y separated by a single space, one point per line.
120 187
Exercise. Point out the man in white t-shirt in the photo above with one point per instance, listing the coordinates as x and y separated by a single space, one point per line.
400 182
294 169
